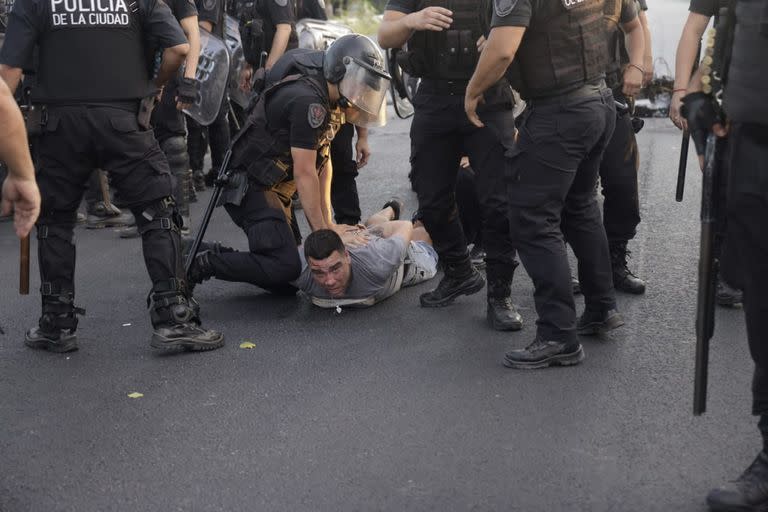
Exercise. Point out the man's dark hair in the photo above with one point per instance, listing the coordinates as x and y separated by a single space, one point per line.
321 244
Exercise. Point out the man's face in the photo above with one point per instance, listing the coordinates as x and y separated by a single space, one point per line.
332 273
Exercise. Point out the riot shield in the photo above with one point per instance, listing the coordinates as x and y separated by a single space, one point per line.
319 34
213 73
402 86
236 61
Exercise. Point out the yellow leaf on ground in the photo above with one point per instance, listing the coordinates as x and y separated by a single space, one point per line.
135 395
247 344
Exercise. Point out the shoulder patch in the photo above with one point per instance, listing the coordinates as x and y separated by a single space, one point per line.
503 7
281 3
316 115
209 5
570 4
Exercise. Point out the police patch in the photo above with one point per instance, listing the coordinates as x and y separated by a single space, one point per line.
503 7
570 4
281 3
316 115
209 5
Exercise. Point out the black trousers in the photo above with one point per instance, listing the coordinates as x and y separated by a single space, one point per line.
440 135
344 197
216 135
272 260
470 208
618 178
167 120
553 173
77 140
748 240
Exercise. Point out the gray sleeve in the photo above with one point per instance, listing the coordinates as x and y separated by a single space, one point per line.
389 255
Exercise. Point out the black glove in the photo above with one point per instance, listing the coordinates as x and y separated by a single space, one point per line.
187 90
701 112
258 80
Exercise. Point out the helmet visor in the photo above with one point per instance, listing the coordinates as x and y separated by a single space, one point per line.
365 87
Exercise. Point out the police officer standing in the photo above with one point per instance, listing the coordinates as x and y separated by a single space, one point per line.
92 74
747 114
283 148
619 166
442 50
216 134
554 164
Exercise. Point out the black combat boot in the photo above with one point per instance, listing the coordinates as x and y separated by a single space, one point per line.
598 322
57 325
201 269
541 354
177 324
623 278
101 215
198 180
460 278
501 313
747 493
726 295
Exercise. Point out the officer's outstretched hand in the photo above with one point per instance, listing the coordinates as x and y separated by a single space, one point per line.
363 151
471 102
430 18
23 198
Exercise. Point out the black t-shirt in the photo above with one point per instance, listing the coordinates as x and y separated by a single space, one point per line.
299 114
181 8
511 13
707 7
312 9
29 20
212 11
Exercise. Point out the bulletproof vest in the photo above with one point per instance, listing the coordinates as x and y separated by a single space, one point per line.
563 48
257 30
261 152
449 54
92 50
748 75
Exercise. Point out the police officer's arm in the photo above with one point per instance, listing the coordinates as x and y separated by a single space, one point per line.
648 54
11 76
308 186
397 27
634 73
192 30
362 149
279 44
20 192
161 26
687 54
25 24
498 54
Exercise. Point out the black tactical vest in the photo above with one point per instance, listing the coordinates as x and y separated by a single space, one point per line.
257 30
745 100
563 48
261 152
92 51
449 54
616 50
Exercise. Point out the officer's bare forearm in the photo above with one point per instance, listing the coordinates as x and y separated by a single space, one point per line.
14 148
192 31
362 132
394 30
279 44
11 77
499 52
636 42
324 179
688 47
172 60
207 25
648 55
308 187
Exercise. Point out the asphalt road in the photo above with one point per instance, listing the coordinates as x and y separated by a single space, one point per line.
394 408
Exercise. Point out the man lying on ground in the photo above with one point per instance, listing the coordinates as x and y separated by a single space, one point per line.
398 254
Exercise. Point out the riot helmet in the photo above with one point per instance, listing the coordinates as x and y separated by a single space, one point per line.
356 65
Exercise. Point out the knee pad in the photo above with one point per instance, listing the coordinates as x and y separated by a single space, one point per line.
56 253
175 149
159 215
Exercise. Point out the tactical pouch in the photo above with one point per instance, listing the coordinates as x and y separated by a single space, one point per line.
235 190
35 119
146 107
267 172
252 37
412 63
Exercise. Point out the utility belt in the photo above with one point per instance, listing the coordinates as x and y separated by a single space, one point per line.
36 114
595 88
443 87
264 174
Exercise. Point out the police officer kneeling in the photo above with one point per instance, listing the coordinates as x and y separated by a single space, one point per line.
554 165
283 148
93 71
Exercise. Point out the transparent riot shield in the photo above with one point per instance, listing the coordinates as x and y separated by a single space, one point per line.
319 34
402 86
213 74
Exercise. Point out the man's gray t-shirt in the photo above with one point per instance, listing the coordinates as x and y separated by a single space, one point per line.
377 273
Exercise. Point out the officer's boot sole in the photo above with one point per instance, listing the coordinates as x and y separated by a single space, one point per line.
470 288
186 343
571 359
593 328
65 343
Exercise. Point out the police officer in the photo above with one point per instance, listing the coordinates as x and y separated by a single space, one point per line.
618 169
747 112
554 164
92 73
216 134
442 51
283 148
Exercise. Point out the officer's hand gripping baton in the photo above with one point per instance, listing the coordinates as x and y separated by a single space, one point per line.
682 166
221 181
